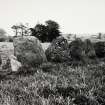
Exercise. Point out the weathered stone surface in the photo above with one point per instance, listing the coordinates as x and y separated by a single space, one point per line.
14 63
82 51
58 50
100 49
89 49
6 49
77 50
45 46
0 60
9 63
28 51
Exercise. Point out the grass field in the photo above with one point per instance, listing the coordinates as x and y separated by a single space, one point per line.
57 84
40 88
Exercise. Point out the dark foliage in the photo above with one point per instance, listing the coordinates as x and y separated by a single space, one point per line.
52 29
45 92
10 39
67 92
83 100
2 39
46 33
40 31
100 95
100 100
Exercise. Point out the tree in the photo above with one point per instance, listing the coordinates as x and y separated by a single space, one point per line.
2 32
52 24
47 32
52 29
20 29
41 32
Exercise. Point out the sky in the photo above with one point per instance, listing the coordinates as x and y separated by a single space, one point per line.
73 16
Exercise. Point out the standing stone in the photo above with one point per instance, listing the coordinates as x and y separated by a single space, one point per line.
77 50
6 49
14 63
100 49
58 50
82 51
89 49
28 51
0 60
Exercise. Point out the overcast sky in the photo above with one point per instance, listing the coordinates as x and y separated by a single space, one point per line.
74 16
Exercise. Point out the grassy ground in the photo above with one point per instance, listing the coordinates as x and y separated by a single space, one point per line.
56 85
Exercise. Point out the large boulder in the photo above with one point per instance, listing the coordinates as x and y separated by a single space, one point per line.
28 51
58 50
100 49
8 62
82 52
77 50
89 49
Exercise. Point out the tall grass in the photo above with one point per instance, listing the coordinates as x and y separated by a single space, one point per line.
41 87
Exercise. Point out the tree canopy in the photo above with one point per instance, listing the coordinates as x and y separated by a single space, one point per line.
47 32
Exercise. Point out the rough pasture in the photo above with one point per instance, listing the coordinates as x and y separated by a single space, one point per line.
60 85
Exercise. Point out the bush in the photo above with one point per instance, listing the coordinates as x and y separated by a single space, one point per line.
47 32
10 39
2 39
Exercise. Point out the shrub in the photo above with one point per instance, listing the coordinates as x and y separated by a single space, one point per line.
2 39
47 32
10 39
